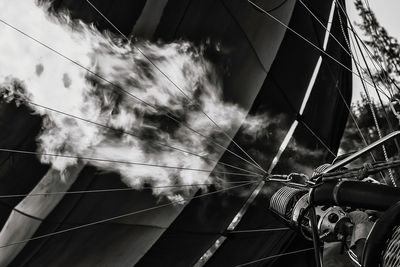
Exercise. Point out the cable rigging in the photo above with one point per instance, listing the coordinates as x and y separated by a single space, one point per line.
167 114
125 215
333 37
134 135
354 59
371 106
307 41
169 204
275 256
124 162
177 87
124 189
360 75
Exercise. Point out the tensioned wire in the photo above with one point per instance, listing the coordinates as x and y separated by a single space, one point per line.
389 79
309 249
60 55
125 162
274 257
384 60
218 242
124 189
333 37
135 135
308 41
354 59
369 98
372 107
176 86
379 68
374 116
349 53
53 233
367 67
374 62
371 76
125 215
167 113
358 40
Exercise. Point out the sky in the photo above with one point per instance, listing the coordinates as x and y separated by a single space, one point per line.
387 13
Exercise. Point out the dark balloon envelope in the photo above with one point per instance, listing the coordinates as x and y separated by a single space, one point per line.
265 69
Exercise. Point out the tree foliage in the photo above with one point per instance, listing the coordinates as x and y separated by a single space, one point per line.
385 51
385 48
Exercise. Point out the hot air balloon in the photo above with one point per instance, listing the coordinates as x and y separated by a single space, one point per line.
274 58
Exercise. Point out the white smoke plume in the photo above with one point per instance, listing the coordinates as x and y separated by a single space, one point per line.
37 74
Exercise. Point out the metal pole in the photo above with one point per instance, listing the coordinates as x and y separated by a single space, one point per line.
361 152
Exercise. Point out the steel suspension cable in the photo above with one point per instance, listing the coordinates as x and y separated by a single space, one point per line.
336 85
274 257
384 60
112 190
124 162
379 68
307 41
174 84
336 40
381 103
388 79
333 37
380 100
265 230
370 74
116 86
359 71
372 109
355 61
135 135
82 226
318 138
370 101
352 115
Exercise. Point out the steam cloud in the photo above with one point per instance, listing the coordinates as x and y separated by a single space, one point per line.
33 72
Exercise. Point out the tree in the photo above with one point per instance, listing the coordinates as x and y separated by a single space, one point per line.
385 54
385 48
